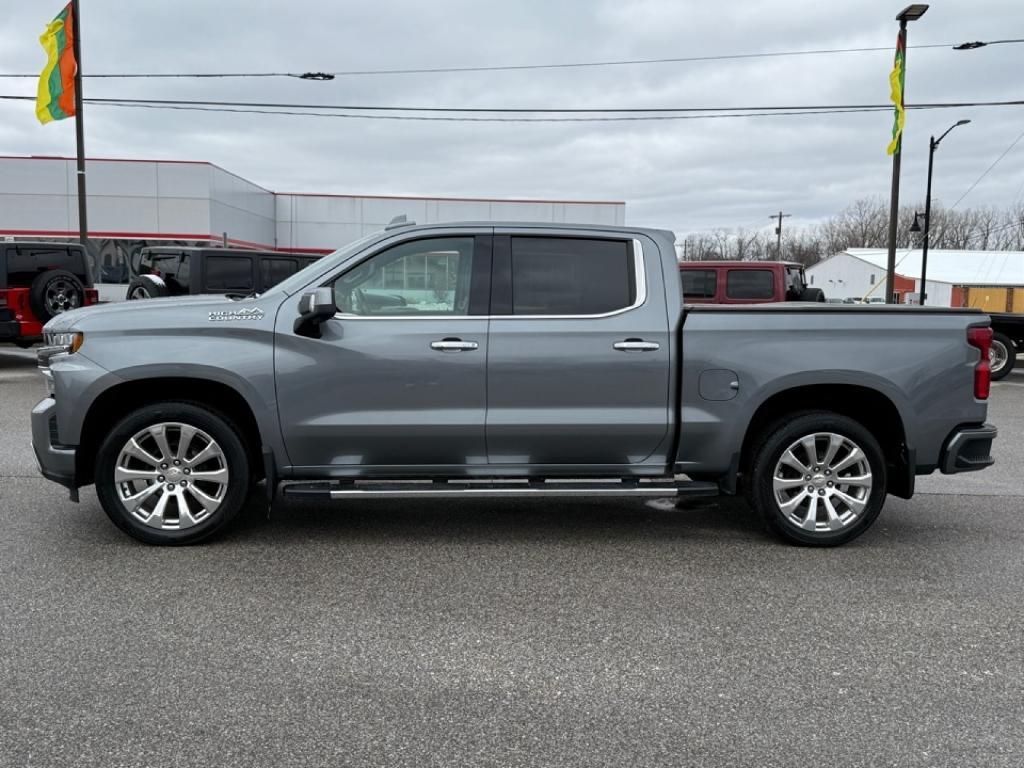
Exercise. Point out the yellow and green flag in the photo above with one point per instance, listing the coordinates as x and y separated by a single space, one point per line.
56 97
896 80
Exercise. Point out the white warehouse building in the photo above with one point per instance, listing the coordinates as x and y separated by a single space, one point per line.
135 203
991 280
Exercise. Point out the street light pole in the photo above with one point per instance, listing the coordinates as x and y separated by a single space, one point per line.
910 13
933 144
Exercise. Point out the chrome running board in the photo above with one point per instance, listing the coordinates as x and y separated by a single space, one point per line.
420 489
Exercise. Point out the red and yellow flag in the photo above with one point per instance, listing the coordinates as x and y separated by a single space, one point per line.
56 97
896 80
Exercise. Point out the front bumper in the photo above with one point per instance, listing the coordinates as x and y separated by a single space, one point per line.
968 449
56 462
10 330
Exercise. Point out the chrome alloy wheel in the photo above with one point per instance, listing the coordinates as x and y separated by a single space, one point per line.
998 354
822 482
171 476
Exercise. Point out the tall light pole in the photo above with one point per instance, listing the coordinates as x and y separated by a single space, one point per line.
910 13
933 144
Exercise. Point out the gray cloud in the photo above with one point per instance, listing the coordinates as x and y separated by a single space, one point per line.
686 175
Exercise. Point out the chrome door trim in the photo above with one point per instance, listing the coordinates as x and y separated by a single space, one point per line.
640 276
636 345
454 345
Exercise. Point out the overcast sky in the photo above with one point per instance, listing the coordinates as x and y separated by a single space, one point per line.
684 175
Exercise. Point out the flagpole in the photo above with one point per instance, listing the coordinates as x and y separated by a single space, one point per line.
76 26
894 194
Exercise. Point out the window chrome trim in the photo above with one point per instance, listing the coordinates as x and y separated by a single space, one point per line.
640 277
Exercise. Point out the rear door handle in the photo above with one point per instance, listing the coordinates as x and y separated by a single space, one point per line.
454 345
636 345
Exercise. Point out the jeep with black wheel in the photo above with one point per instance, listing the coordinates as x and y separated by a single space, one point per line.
39 281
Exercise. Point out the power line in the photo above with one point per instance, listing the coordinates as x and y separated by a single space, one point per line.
520 67
461 119
986 171
652 111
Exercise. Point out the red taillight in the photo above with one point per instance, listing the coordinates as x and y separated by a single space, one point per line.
981 339
92 296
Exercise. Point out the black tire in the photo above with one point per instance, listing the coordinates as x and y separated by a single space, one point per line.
812 294
767 454
217 426
147 287
1011 356
53 292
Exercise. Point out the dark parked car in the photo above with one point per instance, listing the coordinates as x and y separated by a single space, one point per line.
745 282
38 281
1007 342
176 271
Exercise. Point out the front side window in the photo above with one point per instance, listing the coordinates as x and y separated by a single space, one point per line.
229 273
750 284
794 282
699 283
571 276
425 277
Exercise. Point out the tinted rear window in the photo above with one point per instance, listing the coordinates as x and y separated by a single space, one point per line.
570 276
750 284
229 273
23 264
700 283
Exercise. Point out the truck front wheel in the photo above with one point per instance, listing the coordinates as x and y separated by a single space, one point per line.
172 473
818 479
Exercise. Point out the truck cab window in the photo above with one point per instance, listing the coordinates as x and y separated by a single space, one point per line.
571 276
419 278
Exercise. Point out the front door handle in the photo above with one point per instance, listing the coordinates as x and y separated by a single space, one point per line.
636 345
454 345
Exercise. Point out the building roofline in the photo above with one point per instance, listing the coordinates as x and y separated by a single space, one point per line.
319 194
456 199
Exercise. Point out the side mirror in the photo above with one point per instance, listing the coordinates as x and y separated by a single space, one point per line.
315 307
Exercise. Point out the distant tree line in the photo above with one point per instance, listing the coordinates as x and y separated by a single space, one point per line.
864 224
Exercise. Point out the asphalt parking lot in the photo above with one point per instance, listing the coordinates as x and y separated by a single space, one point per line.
512 633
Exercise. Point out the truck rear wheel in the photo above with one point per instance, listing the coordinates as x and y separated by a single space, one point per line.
1002 356
818 479
172 473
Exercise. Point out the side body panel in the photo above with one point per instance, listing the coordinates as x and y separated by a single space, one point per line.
172 337
917 358
558 392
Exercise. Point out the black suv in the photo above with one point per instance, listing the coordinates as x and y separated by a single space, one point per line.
38 281
176 271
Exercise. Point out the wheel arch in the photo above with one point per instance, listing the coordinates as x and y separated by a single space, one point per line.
117 401
875 410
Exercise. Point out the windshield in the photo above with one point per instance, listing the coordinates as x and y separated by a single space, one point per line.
304 276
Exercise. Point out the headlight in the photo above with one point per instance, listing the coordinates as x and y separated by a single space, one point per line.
65 343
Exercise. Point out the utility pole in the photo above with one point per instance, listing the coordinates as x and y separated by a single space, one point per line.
778 231
76 33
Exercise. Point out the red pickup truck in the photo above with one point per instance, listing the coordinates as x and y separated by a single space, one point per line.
745 282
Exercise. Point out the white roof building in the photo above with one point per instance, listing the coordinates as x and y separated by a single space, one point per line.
860 272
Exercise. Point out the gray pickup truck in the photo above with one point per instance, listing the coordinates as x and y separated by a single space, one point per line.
522 360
